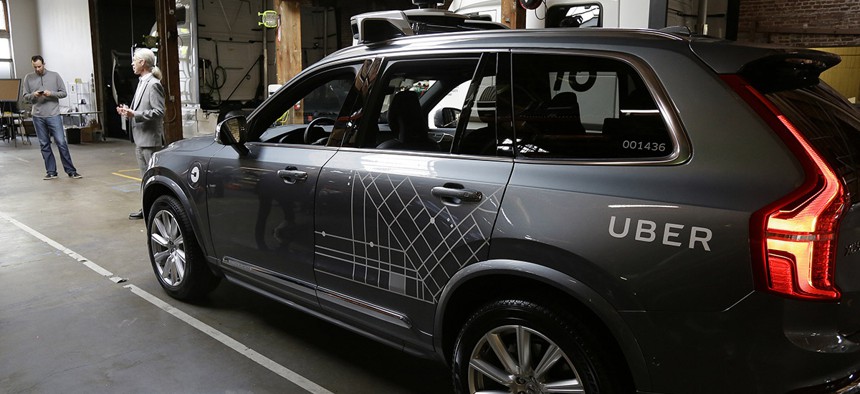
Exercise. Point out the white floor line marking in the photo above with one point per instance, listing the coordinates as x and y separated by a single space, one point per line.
81 259
226 340
264 361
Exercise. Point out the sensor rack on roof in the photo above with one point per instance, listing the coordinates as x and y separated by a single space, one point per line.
380 26
376 27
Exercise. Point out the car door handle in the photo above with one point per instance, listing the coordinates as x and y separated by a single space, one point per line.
293 175
455 194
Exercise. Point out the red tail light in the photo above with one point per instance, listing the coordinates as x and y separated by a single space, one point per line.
793 240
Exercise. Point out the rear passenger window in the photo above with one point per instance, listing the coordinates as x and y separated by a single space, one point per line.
411 91
577 107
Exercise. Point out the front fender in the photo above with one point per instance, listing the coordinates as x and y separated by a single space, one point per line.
156 185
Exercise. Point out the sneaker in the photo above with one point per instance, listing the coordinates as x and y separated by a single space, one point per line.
74 175
49 177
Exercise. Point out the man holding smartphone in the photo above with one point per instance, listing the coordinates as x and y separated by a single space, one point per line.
44 89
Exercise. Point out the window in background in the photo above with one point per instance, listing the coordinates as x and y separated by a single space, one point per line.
5 25
6 65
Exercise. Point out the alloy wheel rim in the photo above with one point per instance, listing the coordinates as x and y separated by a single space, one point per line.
168 248
520 360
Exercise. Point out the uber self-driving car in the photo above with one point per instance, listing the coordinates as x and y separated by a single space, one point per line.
547 211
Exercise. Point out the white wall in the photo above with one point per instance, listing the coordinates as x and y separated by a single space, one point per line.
59 30
24 30
688 11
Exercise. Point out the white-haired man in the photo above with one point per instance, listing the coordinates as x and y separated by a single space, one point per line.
146 111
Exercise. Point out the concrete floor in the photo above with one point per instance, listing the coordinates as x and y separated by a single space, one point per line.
81 311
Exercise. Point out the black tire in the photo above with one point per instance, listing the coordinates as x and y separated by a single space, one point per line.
583 364
177 260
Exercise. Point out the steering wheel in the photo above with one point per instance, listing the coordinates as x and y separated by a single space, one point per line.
309 134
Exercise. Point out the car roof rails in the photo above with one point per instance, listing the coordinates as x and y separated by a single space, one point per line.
677 30
380 26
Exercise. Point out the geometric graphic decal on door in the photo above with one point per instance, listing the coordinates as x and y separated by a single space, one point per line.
403 243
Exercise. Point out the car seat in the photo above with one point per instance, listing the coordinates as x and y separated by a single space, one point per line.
564 107
408 122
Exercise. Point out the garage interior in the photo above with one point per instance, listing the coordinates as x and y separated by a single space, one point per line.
79 308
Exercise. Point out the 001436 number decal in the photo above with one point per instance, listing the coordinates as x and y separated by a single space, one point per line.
640 145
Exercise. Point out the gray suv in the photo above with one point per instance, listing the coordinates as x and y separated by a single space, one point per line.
590 210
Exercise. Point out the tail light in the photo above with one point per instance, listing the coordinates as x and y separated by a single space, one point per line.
793 240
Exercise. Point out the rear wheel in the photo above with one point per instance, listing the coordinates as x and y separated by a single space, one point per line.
518 346
177 259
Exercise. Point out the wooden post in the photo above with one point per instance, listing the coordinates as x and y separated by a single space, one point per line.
288 50
513 15
288 41
168 62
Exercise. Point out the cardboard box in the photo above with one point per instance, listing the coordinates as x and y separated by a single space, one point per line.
92 132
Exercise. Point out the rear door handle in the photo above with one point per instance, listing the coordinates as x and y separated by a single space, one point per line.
455 194
292 175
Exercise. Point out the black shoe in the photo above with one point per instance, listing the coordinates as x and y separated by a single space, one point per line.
75 175
136 215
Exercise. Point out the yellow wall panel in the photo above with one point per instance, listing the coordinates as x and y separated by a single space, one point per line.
845 77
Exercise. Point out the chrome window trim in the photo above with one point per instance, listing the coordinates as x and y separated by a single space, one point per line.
681 151
680 154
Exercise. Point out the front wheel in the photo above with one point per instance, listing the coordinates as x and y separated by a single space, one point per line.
177 259
518 346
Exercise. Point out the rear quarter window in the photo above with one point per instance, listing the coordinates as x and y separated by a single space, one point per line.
579 107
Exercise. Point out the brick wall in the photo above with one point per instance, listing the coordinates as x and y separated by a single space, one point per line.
801 23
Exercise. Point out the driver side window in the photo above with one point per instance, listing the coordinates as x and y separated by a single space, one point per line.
402 115
309 118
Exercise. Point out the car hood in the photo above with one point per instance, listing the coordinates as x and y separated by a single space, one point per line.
191 144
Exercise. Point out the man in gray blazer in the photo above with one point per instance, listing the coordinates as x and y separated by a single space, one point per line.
146 111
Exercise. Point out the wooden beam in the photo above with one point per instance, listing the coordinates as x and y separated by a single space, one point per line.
288 40
513 15
168 62
97 71
288 50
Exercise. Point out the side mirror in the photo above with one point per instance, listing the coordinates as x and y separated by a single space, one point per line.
233 131
446 117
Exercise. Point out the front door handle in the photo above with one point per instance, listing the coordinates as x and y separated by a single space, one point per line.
292 175
455 194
